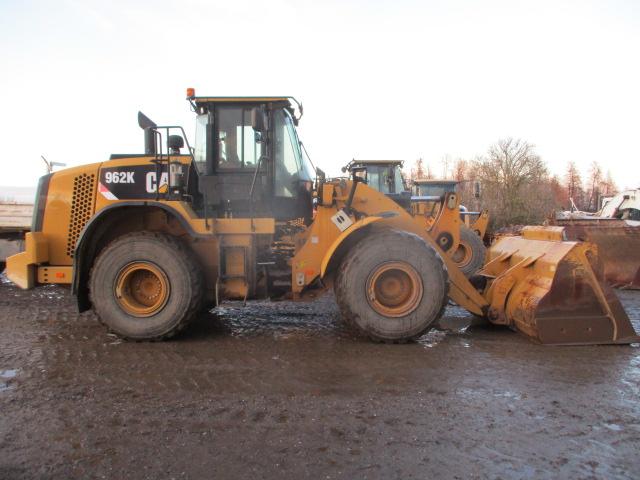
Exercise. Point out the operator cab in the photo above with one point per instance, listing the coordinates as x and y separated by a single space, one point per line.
432 189
384 176
433 192
249 158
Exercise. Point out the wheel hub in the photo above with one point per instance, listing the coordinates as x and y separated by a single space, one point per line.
394 289
141 289
463 255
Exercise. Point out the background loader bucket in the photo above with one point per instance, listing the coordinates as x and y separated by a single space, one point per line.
618 247
553 291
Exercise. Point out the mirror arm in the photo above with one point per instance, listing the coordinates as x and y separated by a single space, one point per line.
355 180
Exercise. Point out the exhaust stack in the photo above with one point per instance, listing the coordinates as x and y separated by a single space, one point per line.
149 133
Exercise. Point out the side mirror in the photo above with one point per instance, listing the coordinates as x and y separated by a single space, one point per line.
258 119
358 174
476 189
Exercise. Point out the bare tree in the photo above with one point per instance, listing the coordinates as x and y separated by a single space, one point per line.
460 170
594 183
608 186
573 184
513 177
558 191
419 168
420 171
446 161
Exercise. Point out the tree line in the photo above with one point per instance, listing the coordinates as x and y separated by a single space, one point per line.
516 186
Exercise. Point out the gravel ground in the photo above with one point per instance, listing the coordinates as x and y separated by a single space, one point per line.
282 390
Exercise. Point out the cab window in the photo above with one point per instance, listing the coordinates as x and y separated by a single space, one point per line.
236 142
384 179
200 148
290 167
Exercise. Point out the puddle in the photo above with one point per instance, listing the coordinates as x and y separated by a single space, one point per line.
285 320
281 320
432 338
508 394
613 426
455 321
631 377
7 375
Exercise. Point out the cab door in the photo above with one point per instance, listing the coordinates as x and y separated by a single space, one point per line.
292 174
228 153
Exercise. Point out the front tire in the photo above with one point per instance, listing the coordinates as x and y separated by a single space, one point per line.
471 252
391 286
146 286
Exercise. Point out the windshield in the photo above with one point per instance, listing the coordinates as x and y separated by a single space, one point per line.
434 189
307 172
386 179
291 167
398 180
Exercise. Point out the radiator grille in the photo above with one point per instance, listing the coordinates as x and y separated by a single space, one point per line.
81 208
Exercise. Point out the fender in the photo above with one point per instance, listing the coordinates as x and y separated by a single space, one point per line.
342 237
83 253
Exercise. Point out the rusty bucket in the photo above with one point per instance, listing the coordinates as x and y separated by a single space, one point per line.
553 290
618 247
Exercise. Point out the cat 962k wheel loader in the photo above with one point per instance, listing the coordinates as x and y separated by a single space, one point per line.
149 240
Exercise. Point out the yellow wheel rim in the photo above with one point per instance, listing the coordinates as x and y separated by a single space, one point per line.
394 289
141 289
463 255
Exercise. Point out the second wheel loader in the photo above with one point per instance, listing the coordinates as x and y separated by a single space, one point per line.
460 238
150 239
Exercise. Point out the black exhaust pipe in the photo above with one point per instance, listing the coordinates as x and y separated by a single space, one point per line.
149 133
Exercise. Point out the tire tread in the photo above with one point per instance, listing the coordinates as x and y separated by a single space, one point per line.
354 256
180 249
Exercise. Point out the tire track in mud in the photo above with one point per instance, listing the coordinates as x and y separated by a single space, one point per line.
61 346
49 340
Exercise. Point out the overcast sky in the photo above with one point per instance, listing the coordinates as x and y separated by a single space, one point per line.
393 79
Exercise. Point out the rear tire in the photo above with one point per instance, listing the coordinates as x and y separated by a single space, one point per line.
471 252
391 286
146 286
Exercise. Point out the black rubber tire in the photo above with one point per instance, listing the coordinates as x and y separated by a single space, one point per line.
473 242
181 269
377 248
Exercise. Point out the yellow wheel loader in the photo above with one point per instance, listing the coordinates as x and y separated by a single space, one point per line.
425 201
149 240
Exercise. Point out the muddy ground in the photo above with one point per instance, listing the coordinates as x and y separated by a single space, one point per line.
281 390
